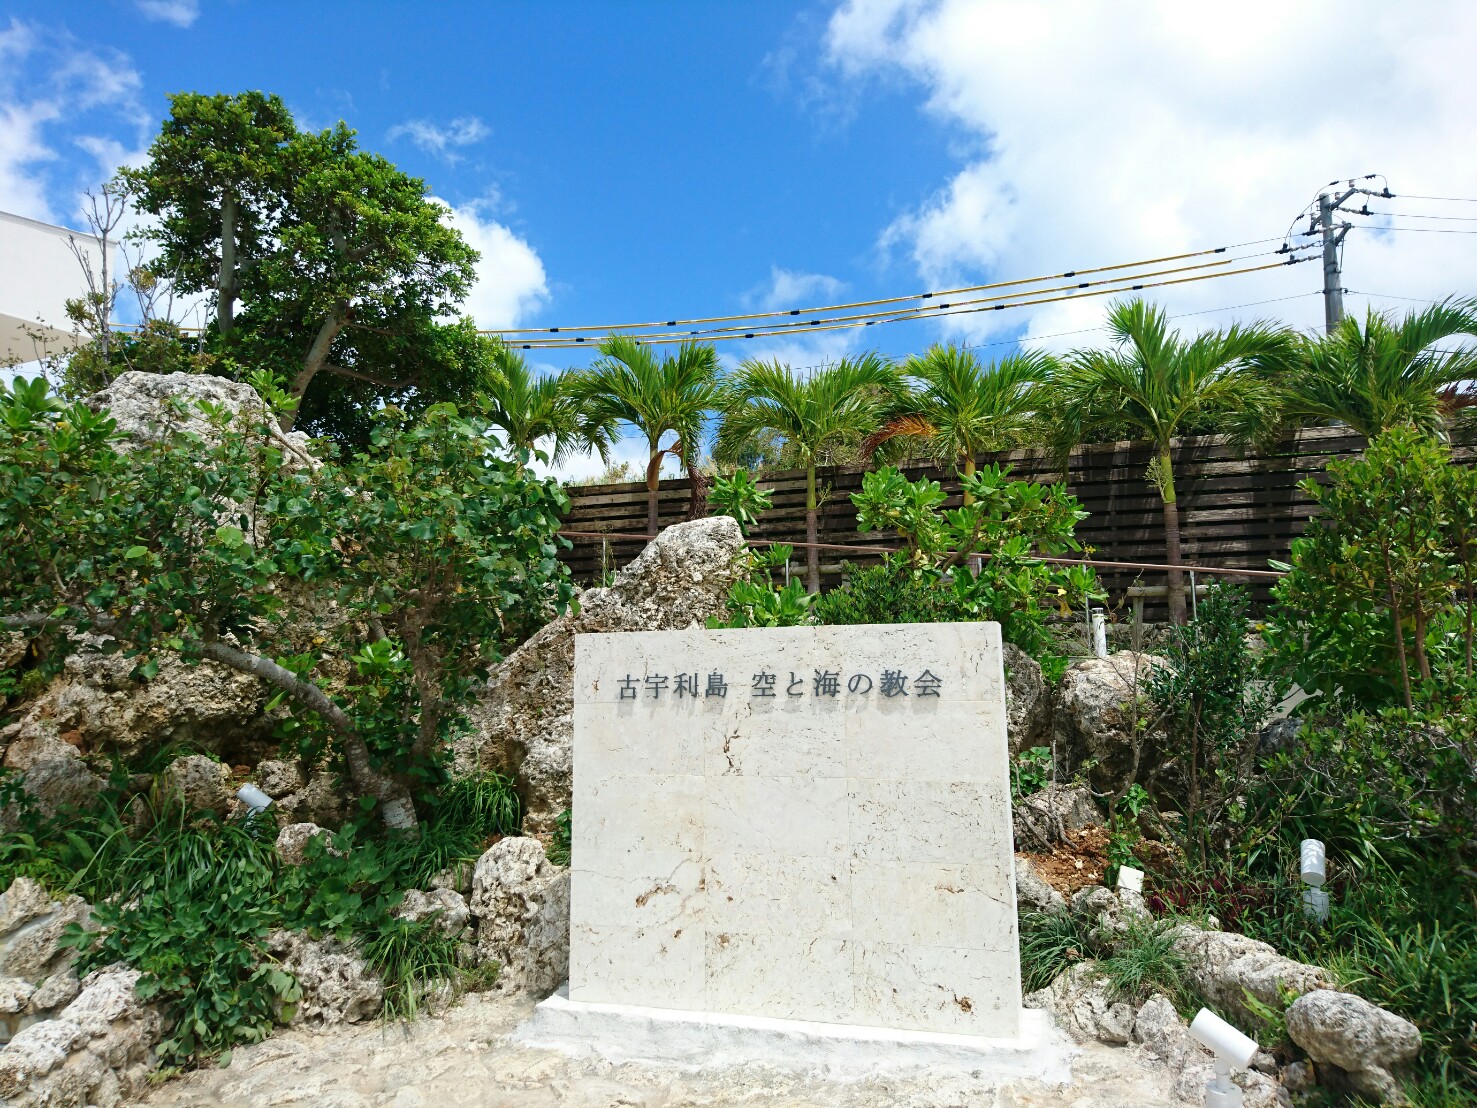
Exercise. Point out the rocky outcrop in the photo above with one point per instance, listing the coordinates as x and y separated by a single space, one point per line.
1081 997
521 902
337 984
447 909
1032 893
1027 700
98 1051
148 406
1043 819
206 706
36 976
1099 719
1360 1038
1224 967
292 842
321 801
522 723
198 782
278 779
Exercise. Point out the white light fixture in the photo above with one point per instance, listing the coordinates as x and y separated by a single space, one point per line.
1099 633
254 799
1130 880
1314 866
1232 1049
1315 905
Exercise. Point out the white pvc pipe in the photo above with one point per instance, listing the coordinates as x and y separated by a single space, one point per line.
1099 633
254 799
1314 863
1315 905
1214 1033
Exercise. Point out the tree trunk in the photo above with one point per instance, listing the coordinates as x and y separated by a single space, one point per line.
812 535
968 472
316 357
225 290
1172 539
653 478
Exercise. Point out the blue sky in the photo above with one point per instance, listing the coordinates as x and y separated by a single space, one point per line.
620 161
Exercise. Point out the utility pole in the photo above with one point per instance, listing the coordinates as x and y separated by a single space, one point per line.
1333 238
1333 289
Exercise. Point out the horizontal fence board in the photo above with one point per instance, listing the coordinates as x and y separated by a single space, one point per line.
1238 509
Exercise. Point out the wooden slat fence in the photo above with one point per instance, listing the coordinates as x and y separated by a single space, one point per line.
1236 510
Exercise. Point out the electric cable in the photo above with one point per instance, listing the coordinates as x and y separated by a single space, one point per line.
555 344
885 300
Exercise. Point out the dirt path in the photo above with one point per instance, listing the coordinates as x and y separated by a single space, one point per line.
464 1057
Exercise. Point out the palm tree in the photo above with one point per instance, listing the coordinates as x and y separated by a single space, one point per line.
528 408
628 384
1381 373
815 416
1155 386
966 407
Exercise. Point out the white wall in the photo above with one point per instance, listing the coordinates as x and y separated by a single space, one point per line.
38 274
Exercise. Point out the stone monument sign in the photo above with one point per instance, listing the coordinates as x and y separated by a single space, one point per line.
805 823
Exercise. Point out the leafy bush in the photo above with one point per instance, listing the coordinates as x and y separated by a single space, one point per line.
737 496
756 601
1369 607
434 552
1212 706
896 591
1030 772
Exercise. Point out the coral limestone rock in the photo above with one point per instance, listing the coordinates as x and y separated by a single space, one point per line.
338 986
523 722
521 901
1097 718
1355 1035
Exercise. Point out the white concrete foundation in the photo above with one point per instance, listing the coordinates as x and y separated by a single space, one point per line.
696 1041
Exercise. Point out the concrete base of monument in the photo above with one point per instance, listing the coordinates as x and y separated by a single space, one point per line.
707 1041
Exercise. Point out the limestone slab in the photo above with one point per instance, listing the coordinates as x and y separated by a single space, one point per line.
801 823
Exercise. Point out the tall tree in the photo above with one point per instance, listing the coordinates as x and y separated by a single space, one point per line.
324 260
965 407
656 397
1381 372
216 180
1154 385
817 417
528 408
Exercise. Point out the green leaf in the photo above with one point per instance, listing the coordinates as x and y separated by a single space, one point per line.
134 553
229 536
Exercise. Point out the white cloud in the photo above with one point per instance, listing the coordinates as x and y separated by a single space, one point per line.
50 83
510 277
1103 133
182 13
441 141
787 288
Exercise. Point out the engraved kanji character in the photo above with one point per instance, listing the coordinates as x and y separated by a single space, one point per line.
686 685
894 683
763 684
927 684
628 687
827 682
656 682
716 685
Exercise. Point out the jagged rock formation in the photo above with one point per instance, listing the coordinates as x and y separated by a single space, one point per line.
521 903
1358 1037
523 723
1098 718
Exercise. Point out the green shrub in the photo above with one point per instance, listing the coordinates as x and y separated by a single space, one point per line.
1212 706
738 497
896 591
1030 772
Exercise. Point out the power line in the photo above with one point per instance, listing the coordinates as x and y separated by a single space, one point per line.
777 313
1416 215
1450 199
547 344
928 310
